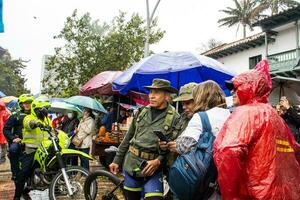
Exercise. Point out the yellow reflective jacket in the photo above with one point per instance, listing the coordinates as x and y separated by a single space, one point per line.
33 137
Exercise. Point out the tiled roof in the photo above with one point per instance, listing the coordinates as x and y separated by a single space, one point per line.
236 46
278 19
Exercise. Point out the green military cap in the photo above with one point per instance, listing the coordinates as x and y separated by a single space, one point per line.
186 92
162 84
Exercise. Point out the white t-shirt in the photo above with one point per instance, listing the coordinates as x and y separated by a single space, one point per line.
217 116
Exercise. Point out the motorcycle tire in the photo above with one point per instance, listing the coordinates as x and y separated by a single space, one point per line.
106 184
77 176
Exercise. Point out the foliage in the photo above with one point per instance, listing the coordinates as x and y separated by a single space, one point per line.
244 13
275 6
12 82
91 48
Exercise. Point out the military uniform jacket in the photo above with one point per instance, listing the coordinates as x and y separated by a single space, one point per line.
182 124
179 128
141 136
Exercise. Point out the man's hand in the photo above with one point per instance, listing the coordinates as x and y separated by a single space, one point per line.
16 140
172 146
163 145
151 167
284 102
114 168
34 124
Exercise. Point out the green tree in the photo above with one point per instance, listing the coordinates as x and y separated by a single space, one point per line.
275 6
12 82
244 13
91 48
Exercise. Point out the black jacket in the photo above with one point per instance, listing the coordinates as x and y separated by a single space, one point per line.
14 125
293 121
70 125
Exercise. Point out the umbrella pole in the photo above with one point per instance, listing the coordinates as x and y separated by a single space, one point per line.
118 115
178 87
118 110
280 91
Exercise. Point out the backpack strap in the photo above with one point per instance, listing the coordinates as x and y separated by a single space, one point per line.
205 122
210 184
169 118
139 116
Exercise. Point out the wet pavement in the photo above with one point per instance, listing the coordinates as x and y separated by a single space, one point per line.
7 187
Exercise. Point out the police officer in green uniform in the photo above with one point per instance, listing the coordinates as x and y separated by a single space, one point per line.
140 151
13 131
186 99
33 136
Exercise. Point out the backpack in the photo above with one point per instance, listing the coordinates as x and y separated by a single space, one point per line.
191 174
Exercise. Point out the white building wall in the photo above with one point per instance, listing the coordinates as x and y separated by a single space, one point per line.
45 73
285 40
239 62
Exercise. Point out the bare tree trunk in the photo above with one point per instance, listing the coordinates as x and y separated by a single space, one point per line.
244 30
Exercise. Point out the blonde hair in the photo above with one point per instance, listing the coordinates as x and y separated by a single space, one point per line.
207 95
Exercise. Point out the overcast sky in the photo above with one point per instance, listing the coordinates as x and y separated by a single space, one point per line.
31 24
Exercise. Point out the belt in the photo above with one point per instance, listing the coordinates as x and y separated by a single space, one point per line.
141 154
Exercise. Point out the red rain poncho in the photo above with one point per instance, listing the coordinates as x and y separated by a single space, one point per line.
4 115
255 153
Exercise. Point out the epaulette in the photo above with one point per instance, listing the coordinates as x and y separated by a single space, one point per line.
141 113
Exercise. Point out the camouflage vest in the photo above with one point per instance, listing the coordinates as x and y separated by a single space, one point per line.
168 120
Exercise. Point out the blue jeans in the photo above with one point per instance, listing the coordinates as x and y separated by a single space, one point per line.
15 150
84 162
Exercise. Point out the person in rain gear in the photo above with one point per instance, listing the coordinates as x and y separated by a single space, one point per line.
33 136
4 115
140 150
13 131
256 155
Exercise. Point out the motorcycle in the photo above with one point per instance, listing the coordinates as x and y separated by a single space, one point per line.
52 172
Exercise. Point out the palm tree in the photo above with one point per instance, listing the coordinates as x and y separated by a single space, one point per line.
277 5
244 13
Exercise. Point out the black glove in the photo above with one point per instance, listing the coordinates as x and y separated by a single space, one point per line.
47 128
34 124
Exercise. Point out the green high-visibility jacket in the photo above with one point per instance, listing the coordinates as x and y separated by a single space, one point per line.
33 137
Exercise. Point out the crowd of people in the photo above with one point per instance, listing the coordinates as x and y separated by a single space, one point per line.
20 132
256 151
